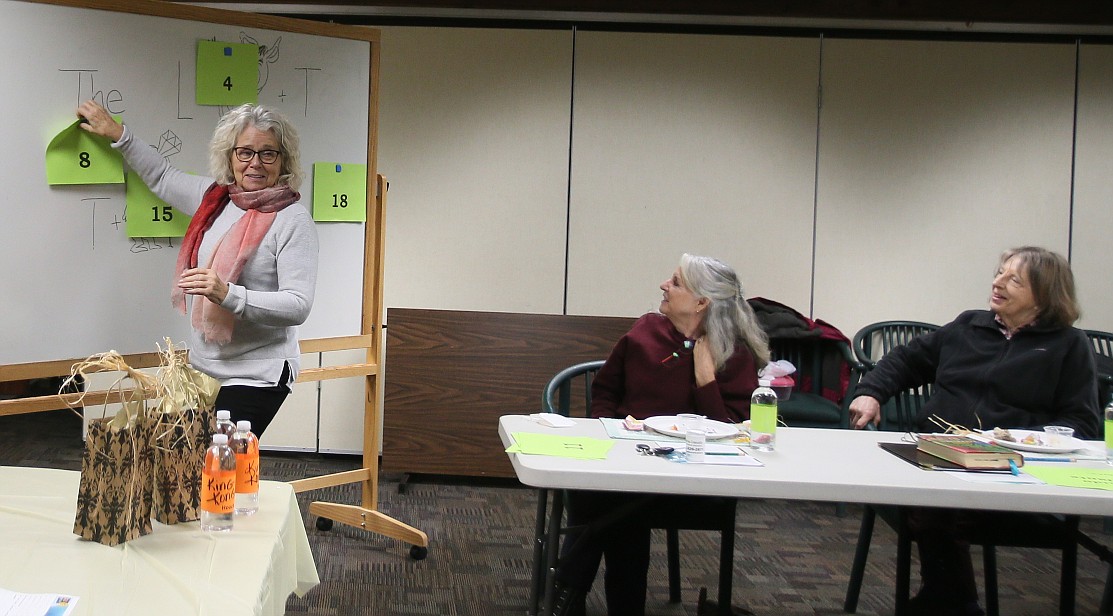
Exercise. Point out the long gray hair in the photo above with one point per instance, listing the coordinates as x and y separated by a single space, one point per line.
729 318
263 118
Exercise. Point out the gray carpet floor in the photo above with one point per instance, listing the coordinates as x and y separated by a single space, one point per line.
791 558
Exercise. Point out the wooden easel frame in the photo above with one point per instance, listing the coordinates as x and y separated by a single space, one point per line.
366 515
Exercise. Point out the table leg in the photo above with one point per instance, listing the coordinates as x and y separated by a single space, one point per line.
537 577
904 563
726 570
1068 574
552 550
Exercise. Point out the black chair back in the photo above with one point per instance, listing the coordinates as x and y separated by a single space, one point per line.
561 386
871 343
1103 355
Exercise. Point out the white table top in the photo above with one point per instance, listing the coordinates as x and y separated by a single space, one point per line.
809 464
174 570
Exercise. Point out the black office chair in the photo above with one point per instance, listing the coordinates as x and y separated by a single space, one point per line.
557 398
870 344
1053 532
1103 355
818 370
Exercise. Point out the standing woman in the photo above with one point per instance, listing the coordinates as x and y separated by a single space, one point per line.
249 270
701 353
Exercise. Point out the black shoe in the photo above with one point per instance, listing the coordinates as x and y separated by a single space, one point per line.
569 601
921 605
708 607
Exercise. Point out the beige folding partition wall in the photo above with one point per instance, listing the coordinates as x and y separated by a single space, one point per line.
1091 254
924 161
690 143
934 157
474 133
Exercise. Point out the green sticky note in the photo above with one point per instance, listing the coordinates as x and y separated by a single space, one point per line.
339 192
581 447
1072 477
227 73
75 156
149 216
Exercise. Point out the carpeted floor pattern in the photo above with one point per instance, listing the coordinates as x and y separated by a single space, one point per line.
791 558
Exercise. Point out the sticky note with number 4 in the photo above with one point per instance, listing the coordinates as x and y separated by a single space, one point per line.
339 192
227 73
75 156
149 216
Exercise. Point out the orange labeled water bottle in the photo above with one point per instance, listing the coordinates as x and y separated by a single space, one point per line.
246 447
218 486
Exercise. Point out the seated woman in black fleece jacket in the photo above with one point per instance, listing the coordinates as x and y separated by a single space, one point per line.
1021 364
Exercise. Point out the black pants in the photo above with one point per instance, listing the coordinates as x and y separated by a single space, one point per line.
258 405
943 538
615 527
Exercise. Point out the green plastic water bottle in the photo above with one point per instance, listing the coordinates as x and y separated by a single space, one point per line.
763 417
1109 433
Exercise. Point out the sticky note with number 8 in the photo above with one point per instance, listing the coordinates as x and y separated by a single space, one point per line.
149 216
339 192
227 73
75 156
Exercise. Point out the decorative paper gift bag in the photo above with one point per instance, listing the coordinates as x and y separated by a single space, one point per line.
184 424
114 497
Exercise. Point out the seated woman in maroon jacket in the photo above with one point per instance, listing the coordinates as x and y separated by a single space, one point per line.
700 354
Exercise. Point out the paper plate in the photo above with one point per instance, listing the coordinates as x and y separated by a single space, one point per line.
675 426
1072 445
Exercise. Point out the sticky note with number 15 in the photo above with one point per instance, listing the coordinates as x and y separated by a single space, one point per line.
339 192
227 73
149 216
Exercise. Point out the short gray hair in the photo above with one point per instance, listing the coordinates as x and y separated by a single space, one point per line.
730 318
263 118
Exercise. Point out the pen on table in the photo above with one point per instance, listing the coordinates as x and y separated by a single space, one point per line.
1034 459
1013 469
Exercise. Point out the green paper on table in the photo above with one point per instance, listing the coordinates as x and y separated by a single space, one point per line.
581 447
1067 476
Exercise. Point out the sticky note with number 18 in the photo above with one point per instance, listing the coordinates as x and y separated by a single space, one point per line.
339 192
227 73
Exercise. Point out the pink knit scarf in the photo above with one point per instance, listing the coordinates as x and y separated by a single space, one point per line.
231 253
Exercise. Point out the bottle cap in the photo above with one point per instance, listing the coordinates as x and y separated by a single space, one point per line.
243 425
220 439
224 414
764 382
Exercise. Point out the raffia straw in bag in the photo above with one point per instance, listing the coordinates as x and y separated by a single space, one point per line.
184 423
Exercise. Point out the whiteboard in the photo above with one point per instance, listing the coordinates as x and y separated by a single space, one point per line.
74 284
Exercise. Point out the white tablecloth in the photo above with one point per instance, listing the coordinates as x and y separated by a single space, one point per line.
174 570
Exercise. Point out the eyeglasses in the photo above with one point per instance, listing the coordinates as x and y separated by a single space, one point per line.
267 157
646 450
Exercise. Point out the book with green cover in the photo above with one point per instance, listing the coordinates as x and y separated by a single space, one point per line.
968 452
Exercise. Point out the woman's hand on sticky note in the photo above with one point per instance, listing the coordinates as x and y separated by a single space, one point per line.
97 120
